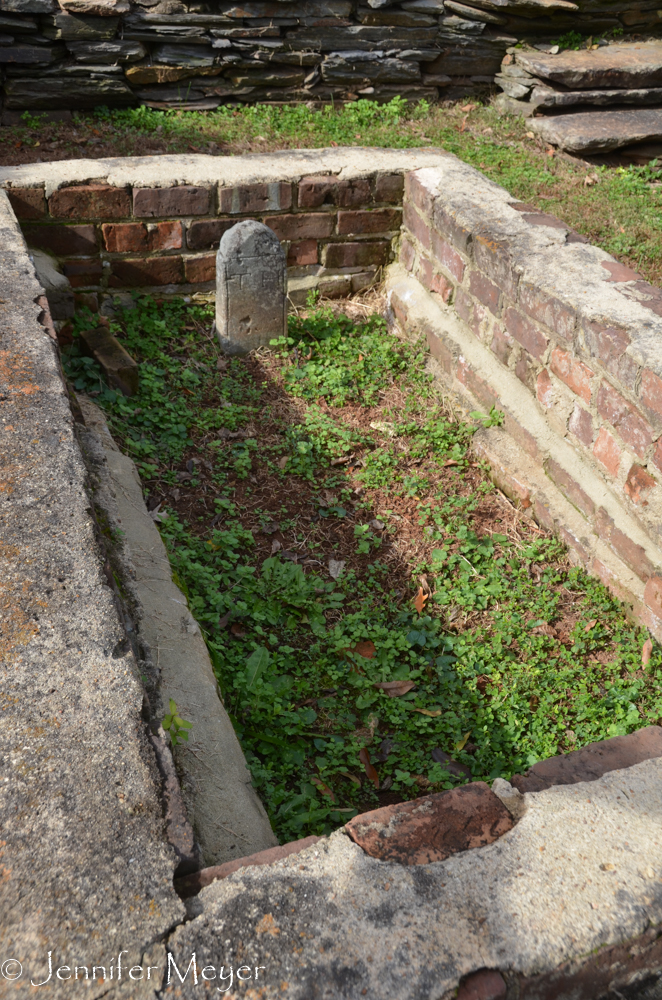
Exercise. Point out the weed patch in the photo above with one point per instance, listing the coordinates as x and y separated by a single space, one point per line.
382 622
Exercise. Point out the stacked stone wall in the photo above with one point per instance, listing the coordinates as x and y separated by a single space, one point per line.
80 54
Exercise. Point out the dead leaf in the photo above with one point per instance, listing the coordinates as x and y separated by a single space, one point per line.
419 600
468 107
282 462
351 777
238 629
324 789
464 123
530 135
591 624
395 689
463 742
275 546
646 652
342 461
365 648
222 622
451 461
430 712
336 566
370 770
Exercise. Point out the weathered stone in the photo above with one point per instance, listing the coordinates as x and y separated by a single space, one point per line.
473 13
117 364
184 55
251 304
592 761
99 8
26 54
25 94
144 74
434 827
453 27
397 18
361 37
370 66
107 52
262 76
600 131
18 25
548 97
618 67
75 27
58 289
179 830
28 6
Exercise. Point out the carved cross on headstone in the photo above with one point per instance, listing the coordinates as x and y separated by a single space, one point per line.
251 286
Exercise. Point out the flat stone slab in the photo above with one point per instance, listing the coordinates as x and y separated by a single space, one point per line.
547 97
624 66
600 131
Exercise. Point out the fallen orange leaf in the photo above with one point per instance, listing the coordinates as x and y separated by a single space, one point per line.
591 624
324 789
396 688
646 652
370 769
419 600
427 711
365 648
352 777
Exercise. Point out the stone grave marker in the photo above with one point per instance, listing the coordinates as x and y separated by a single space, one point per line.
251 286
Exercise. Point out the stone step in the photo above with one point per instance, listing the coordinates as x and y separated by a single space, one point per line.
591 132
624 66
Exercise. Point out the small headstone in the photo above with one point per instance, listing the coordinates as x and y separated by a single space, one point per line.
251 300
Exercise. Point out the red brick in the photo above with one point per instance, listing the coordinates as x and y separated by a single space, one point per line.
419 194
190 885
629 423
446 224
390 188
547 310
607 451
609 972
574 544
90 201
502 344
484 985
592 761
638 484
82 273
416 225
62 240
146 271
440 350
545 389
185 199
379 220
28 203
485 291
434 827
206 233
653 594
633 555
357 254
495 260
475 384
519 433
317 226
581 425
432 280
524 331
576 375
199 269
569 487
314 192
407 255
464 307
526 369
604 524
619 272
87 300
136 237
447 256
303 253
656 457
651 390
608 343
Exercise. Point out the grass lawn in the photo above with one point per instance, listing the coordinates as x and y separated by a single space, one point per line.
382 621
619 209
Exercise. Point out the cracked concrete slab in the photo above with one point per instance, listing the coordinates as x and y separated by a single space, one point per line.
227 816
85 867
582 870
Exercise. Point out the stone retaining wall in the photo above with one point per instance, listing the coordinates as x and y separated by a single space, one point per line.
523 315
79 54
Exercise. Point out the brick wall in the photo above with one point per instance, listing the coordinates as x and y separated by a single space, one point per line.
544 311
109 238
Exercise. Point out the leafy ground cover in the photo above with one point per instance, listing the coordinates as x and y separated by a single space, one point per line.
617 207
382 621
